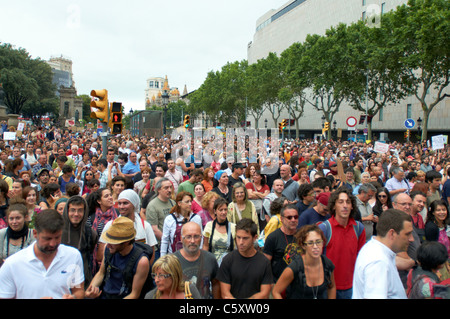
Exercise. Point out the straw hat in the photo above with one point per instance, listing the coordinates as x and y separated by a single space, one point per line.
121 230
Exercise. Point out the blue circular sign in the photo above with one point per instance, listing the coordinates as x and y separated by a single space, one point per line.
409 123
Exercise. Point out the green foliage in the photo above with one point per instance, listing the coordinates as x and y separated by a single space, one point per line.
26 81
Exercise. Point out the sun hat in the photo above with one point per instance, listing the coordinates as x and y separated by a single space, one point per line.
120 231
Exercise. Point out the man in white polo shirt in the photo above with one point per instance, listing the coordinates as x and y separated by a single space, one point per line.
376 275
45 269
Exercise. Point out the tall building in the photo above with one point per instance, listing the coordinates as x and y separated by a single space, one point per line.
279 28
154 90
70 106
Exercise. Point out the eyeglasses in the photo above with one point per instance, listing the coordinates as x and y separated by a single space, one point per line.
291 217
404 204
190 237
382 196
160 276
318 242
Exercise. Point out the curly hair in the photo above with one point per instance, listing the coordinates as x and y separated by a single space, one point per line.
335 196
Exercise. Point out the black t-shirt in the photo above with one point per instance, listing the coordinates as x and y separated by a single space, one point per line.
282 248
245 274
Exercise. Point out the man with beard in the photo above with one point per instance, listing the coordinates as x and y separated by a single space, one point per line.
199 266
45 269
78 234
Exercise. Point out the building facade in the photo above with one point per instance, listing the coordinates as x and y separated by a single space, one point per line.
279 28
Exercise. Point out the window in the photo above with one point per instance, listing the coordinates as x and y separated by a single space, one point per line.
383 5
408 111
380 114
363 18
150 84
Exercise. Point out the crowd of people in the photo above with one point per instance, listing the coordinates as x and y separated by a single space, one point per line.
146 218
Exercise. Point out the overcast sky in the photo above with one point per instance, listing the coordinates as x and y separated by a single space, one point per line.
118 45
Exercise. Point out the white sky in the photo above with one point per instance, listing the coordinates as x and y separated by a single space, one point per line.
118 45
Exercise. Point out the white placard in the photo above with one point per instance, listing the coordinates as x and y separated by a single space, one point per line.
9 136
437 142
20 126
381 147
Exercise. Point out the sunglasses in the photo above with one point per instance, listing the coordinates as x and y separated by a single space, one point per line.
291 217
382 196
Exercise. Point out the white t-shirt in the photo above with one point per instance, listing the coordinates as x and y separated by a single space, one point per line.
23 275
144 231
375 275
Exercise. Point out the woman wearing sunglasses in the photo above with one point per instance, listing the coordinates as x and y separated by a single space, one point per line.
310 275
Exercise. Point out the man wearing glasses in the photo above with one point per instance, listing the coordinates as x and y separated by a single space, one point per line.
199 266
280 246
405 260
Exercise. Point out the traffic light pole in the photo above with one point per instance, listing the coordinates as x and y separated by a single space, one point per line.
104 139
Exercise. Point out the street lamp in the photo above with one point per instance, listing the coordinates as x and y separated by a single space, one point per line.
334 129
265 123
165 102
419 127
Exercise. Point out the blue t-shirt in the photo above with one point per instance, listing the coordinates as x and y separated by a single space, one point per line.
310 217
446 190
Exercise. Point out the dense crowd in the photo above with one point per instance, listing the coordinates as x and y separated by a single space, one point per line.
306 219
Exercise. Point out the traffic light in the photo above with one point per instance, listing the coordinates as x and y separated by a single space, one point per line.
116 118
407 134
284 124
326 126
280 127
187 121
101 104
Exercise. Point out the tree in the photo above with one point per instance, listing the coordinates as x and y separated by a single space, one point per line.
25 80
421 29
375 67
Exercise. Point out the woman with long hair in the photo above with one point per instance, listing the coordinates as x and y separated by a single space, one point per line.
219 234
310 274
437 225
101 211
208 179
168 276
4 203
31 197
199 192
383 201
241 207
118 184
180 214
17 235
50 194
208 213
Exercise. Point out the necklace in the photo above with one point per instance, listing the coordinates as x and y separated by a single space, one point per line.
315 292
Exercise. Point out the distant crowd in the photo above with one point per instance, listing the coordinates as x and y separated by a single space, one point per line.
161 217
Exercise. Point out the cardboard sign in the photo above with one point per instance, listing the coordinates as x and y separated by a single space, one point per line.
381 147
438 142
9 136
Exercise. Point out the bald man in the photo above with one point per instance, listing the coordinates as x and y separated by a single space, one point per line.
199 266
406 260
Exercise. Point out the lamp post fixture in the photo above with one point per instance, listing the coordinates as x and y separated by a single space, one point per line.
419 127
334 129
265 123
165 102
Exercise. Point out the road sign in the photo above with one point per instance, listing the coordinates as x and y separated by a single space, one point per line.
351 121
409 123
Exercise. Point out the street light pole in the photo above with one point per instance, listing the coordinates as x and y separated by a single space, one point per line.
165 102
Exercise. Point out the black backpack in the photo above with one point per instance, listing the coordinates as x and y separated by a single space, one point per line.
128 272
